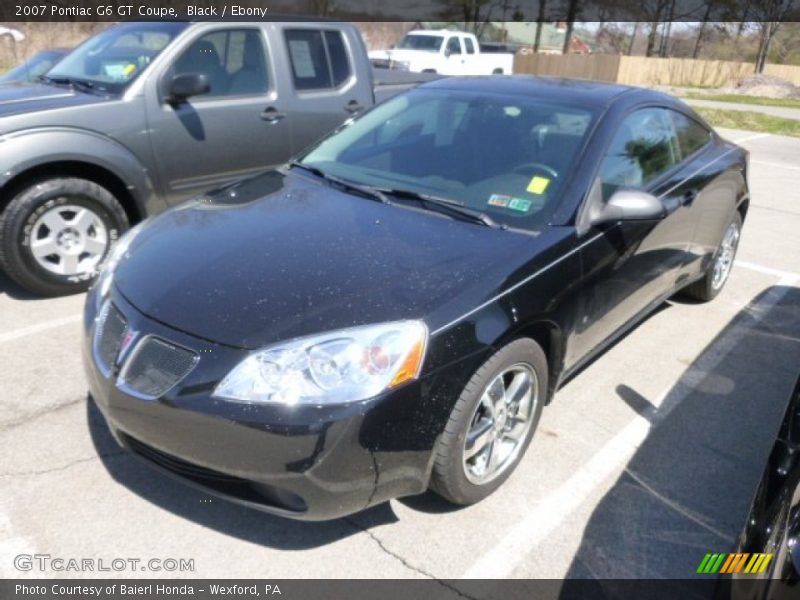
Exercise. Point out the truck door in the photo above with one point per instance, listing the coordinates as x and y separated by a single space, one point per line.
327 78
235 129
472 66
453 57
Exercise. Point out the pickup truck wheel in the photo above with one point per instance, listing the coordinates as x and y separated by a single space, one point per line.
55 233
492 423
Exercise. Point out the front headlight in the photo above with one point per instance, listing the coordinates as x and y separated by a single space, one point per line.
109 265
401 65
342 366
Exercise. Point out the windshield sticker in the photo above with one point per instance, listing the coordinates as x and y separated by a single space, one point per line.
499 200
538 184
520 204
510 202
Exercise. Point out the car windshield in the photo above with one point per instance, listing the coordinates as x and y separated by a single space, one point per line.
31 69
506 156
111 60
430 43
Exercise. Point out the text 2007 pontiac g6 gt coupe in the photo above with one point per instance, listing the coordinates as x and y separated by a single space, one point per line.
392 311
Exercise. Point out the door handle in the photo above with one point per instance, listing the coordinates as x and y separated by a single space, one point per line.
689 197
272 115
353 107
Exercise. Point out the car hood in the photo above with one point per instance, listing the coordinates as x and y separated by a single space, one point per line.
281 256
20 97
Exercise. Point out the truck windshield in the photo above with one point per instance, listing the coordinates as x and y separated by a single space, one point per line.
428 43
111 60
507 156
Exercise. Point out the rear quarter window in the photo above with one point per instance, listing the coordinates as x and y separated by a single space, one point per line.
318 58
692 135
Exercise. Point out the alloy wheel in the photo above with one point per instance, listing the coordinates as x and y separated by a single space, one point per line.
69 240
500 424
725 255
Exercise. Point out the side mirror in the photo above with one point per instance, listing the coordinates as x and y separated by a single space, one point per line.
447 53
187 85
630 205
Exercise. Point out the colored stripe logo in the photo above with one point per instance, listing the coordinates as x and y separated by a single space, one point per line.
734 563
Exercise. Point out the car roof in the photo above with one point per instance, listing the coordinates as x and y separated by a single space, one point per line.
573 91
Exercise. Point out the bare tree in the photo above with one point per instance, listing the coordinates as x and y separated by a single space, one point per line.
539 23
572 12
771 14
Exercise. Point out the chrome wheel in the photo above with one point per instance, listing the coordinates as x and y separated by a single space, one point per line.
69 240
725 255
500 424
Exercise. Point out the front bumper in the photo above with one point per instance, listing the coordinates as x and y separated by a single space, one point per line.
304 462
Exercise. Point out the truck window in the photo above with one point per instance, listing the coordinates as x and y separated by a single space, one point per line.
453 45
470 46
234 60
319 58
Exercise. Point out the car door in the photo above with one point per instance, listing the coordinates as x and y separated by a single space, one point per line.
633 264
708 196
323 82
235 129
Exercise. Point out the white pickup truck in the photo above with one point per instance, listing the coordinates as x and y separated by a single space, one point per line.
444 52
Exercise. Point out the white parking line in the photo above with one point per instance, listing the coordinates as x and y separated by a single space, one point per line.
786 275
749 138
774 164
38 328
547 516
11 546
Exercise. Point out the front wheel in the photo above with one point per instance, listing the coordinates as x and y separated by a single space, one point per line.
55 233
707 288
492 423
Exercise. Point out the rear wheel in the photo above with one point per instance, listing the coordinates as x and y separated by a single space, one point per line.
55 233
719 270
492 423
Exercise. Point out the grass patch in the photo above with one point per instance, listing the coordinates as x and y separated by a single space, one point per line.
742 99
751 121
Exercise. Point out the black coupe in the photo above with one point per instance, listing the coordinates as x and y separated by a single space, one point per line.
392 310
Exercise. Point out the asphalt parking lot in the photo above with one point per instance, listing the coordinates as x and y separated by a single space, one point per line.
645 461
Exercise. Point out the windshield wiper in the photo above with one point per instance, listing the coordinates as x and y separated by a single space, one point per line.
78 84
364 190
445 206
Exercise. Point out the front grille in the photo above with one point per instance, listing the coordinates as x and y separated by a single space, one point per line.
244 490
110 328
178 465
156 366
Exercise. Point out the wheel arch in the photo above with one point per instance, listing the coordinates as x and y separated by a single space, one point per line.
68 152
550 337
79 169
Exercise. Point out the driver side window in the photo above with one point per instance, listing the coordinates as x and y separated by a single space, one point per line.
233 60
453 45
644 147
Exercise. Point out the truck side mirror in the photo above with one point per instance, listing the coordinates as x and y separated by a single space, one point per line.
186 85
630 205
447 53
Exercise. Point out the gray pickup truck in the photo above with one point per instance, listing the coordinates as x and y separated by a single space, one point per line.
145 115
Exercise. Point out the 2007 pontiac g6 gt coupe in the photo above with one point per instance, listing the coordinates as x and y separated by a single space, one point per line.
391 311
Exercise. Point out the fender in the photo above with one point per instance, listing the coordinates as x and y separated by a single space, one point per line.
29 148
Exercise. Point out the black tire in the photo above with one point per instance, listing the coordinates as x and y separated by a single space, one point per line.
448 478
703 290
20 215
